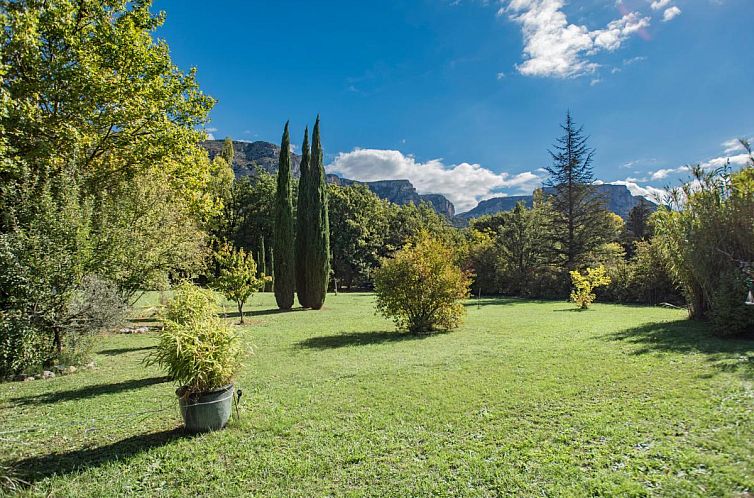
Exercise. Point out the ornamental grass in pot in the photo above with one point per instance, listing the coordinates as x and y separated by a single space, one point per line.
201 353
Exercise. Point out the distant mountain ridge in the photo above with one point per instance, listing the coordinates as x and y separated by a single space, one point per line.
401 192
250 156
618 199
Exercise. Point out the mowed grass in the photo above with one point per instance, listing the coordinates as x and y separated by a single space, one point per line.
526 399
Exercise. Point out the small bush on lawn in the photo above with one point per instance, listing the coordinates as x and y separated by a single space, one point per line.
190 303
196 348
584 285
421 288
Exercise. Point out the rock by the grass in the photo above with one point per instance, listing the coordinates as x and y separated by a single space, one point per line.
134 330
71 369
60 369
48 374
29 378
90 365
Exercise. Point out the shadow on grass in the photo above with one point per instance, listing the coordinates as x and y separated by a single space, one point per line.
360 339
89 391
735 355
36 468
489 301
117 351
250 313
144 320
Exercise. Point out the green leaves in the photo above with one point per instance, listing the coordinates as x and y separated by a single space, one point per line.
421 289
283 248
238 275
196 348
585 283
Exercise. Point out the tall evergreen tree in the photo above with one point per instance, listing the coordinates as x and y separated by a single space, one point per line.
227 151
284 275
303 223
262 258
579 222
318 244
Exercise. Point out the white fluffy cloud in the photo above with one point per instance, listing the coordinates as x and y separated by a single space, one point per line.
654 194
732 145
659 4
737 160
671 13
463 184
553 47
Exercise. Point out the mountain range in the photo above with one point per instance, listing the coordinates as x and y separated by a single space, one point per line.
250 156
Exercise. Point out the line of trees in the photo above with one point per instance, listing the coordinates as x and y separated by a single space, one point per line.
302 252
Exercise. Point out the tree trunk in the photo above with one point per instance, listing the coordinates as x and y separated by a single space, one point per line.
240 310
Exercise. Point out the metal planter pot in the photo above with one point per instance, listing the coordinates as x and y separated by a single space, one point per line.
208 411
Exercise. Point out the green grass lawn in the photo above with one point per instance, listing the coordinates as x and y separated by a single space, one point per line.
525 399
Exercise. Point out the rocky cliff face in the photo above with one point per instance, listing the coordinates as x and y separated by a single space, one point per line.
618 199
252 155
401 192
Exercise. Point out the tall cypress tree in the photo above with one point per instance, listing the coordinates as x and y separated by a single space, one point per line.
284 237
318 244
303 224
580 220
262 258
227 151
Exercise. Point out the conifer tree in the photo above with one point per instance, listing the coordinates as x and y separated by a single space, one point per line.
579 222
262 258
284 276
227 151
303 223
318 243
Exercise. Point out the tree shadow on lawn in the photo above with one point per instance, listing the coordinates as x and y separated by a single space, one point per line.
251 314
89 391
117 351
36 468
491 301
361 339
734 355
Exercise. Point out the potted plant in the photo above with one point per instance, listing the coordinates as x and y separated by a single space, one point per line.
201 353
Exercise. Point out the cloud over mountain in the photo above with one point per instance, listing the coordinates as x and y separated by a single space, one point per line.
463 184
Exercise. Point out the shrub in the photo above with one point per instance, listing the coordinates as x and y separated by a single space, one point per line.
190 304
196 348
23 347
584 285
421 288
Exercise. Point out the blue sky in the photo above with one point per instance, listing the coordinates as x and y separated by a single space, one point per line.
464 97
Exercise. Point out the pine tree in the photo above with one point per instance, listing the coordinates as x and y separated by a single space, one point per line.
303 223
579 222
227 151
284 236
318 244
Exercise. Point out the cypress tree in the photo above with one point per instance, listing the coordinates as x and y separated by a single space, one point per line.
580 220
303 224
227 151
271 286
318 243
284 237
262 258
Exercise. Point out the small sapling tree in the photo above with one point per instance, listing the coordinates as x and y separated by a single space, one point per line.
237 279
585 283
